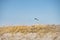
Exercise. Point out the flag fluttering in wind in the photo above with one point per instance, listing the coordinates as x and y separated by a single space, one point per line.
36 19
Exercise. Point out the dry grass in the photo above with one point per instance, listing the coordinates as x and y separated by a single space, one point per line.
41 32
29 29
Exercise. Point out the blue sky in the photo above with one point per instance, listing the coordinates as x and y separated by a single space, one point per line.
24 11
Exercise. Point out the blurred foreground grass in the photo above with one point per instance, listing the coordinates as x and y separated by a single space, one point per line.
40 29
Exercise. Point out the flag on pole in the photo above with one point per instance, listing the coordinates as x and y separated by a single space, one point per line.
36 19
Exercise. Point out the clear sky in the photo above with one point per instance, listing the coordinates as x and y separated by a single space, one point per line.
24 11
